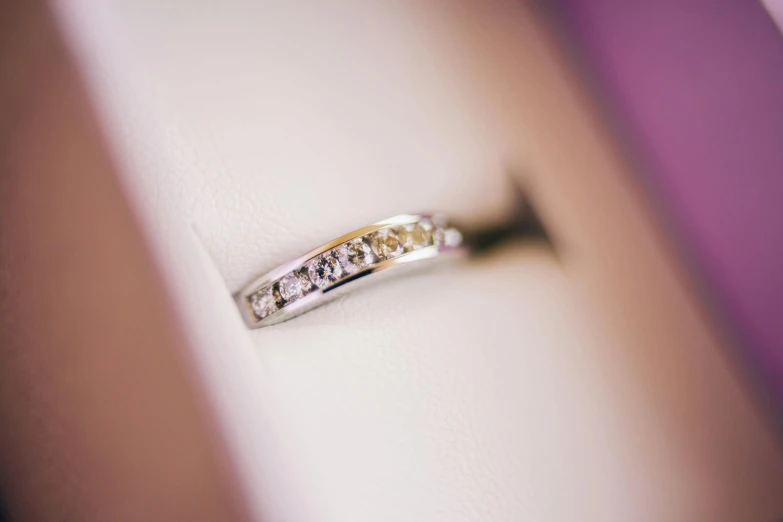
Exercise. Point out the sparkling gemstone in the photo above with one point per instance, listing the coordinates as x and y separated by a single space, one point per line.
325 270
447 236
414 237
304 281
293 286
386 244
263 302
355 255
439 236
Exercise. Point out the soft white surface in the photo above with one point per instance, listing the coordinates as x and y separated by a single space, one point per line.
513 388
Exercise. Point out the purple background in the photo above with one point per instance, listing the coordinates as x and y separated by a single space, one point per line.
696 88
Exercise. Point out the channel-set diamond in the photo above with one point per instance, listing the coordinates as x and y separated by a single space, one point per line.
415 236
293 286
263 302
447 236
386 244
325 270
355 255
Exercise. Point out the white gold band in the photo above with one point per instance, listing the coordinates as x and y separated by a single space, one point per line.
311 279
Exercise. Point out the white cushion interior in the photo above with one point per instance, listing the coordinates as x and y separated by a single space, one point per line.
521 386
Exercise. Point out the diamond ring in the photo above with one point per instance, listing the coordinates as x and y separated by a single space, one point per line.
315 277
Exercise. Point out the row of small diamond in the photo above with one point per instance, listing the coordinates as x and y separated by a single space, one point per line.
348 258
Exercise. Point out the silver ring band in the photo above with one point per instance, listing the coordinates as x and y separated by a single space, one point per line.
315 277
